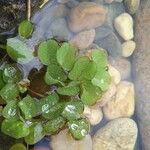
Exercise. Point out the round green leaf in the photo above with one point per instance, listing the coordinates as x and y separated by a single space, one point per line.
66 56
36 134
79 128
102 79
19 51
15 129
18 146
47 52
54 125
2 83
25 28
90 93
11 73
54 74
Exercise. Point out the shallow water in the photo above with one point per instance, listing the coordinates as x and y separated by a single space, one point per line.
52 22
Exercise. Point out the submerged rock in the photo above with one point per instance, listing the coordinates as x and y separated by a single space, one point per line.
64 141
119 134
87 15
141 70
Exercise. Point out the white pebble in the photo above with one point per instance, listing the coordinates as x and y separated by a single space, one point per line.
124 26
128 48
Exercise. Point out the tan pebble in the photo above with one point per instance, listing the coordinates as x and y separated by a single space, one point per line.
87 15
115 74
128 48
94 114
83 39
107 96
123 104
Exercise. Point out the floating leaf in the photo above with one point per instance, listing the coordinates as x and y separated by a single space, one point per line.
47 102
54 74
9 92
25 28
47 52
90 93
79 67
100 58
11 73
69 90
36 134
10 110
102 79
19 51
54 112
54 125
15 129
18 146
66 56
79 128
29 107
73 110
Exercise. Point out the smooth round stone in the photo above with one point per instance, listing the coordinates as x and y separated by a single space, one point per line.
110 1
102 32
60 30
93 114
122 65
83 39
64 141
118 134
112 44
124 26
122 104
132 6
128 48
107 96
87 15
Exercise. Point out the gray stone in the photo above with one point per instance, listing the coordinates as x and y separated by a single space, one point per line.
112 44
141 68
132 6
114 10
118 134
102 32
60 30
122 65
63 1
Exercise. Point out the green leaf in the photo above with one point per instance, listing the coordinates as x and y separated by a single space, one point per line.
79 128
18 146
11 73
90 93
83 69
69 90
102 79
100 58
29 107
73 110
35 135
2 83
10 110
15 129
47 102
54 112
66 56
25 28
9 92
47 52
54 74
19 51
54 125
